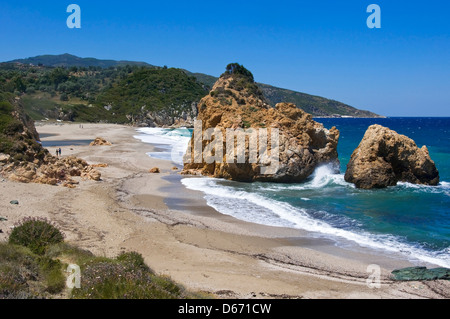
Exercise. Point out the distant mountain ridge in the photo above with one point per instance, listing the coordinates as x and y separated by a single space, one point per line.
69 60
315 105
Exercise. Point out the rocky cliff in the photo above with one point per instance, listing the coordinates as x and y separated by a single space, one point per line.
236 103
23 159
384 157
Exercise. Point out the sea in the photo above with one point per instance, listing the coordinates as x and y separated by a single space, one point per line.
412 221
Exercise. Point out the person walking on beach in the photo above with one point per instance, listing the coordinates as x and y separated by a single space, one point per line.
59 151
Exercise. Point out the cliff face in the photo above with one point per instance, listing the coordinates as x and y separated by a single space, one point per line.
295 146
166 118
24 160
385 157
18 136
28 124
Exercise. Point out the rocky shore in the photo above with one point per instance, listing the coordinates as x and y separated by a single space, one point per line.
26 161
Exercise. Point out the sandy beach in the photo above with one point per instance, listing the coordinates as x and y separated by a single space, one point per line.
180 236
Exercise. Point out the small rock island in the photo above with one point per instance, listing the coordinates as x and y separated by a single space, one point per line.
384 158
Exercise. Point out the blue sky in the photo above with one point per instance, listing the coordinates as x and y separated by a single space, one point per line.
317 47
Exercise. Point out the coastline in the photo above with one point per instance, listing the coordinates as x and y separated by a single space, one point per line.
179 235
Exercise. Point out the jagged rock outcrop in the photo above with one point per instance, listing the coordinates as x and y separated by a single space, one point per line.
384 157
236 102
99 141
23 159
50 171
28 124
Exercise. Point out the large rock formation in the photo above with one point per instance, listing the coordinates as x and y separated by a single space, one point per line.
385 157
24 160
236 103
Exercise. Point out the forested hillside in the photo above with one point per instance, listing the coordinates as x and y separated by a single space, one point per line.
123 94
69 88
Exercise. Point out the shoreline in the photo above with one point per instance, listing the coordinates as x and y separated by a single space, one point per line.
291 236
179 235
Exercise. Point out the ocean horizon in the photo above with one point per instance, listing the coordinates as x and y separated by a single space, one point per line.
412 221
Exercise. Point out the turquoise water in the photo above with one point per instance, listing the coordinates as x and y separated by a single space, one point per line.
420 214
412 220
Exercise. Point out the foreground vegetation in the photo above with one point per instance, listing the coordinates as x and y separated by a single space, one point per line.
33 265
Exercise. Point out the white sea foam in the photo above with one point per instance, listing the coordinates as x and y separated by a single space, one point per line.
173 143
259 209
442 188
323 176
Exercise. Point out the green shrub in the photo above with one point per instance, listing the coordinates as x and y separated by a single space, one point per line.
66 251
114 280
36 234
125 277
6 117
235 68
5 107
5 145
135 260
19 157
12 282
18 267
26 275
52 272
13 127
64 97
31 90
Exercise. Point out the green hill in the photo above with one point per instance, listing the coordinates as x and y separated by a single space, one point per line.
87 89
315 105
122 94
147 93
208 80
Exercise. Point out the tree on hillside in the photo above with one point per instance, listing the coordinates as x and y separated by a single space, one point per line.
236 68
58 75
20 86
